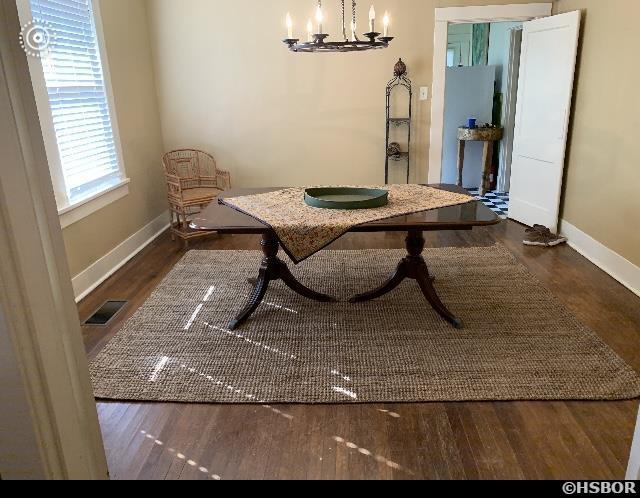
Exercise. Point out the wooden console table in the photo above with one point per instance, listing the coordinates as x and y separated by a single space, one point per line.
487 135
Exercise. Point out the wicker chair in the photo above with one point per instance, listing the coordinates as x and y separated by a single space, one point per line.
193 182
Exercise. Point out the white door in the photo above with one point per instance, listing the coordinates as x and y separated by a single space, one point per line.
543 111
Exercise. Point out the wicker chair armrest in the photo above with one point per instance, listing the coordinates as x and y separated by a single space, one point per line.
223 179
174 186
172 179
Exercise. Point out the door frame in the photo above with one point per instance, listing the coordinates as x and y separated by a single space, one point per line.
48 401
460 15
509 112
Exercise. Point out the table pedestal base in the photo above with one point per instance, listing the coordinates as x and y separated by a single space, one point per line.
272 269
413 267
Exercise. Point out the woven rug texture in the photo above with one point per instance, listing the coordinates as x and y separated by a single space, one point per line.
519 341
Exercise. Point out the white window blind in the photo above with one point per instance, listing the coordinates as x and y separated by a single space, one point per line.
78 99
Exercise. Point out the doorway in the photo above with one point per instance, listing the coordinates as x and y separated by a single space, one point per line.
542 111
483 61
444 18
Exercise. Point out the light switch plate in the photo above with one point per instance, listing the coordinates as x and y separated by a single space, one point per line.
424 93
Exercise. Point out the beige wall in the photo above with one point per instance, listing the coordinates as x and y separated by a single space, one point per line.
228 84
603 168
129 55
277 118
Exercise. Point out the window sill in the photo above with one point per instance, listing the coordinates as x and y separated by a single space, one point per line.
76 212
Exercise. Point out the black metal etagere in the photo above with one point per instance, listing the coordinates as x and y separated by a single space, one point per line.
393 151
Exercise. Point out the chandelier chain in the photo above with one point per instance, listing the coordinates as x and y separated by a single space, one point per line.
344 23
355 21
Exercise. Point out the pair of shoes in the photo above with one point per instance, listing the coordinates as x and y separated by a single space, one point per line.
543 237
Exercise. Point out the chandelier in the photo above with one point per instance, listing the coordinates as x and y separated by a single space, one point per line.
317 42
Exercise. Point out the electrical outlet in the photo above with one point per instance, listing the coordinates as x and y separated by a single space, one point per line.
424 93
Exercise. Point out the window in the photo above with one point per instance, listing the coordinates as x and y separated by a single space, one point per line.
74 104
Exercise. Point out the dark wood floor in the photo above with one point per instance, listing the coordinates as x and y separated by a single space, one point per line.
562 440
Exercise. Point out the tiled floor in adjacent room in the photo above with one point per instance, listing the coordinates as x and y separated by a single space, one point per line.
498 202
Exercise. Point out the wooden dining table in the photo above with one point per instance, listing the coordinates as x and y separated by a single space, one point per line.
223 219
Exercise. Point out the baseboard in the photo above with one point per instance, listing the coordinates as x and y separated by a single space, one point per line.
101 270
609 261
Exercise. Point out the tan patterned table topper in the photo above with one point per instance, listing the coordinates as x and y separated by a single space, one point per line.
304 230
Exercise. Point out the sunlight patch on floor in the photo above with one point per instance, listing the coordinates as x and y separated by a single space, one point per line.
280 307
344 377
248 396
345 392
252 342
162 362
193 317
207 296
391 414
370 454
181 456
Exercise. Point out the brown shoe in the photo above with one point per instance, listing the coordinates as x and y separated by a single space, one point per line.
541 236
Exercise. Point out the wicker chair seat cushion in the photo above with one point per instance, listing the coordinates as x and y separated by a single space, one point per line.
200 194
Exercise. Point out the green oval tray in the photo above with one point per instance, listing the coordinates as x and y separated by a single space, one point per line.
347 198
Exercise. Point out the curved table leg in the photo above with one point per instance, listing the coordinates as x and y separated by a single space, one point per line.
426 284
389 286
256 297
272 268
291 282
414 267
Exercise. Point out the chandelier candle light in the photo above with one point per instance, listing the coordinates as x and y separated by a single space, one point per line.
316 41
289 25
309 31
372 18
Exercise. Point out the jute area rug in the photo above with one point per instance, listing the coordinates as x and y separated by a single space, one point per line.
519 342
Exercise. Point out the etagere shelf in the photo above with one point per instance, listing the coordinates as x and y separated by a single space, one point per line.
393 150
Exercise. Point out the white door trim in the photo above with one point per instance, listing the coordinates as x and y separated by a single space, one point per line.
509 110
40 320
456 15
